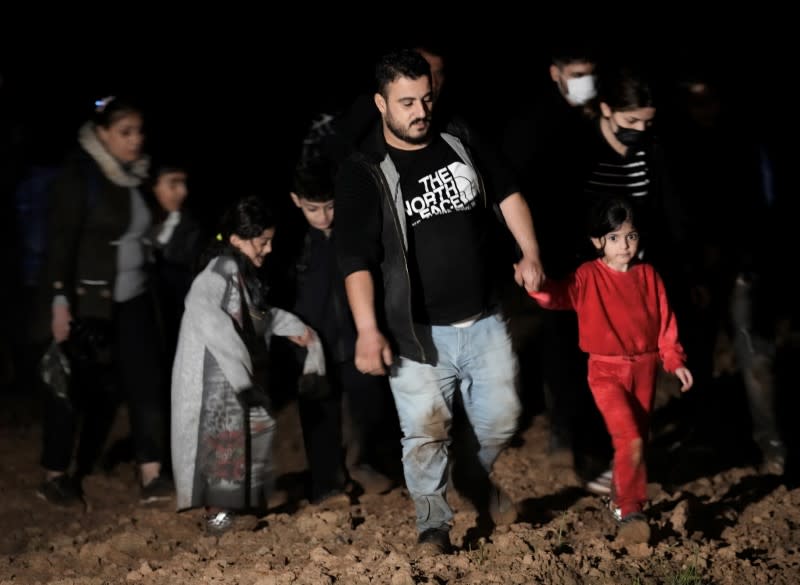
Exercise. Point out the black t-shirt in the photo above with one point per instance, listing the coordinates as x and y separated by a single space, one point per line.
447 233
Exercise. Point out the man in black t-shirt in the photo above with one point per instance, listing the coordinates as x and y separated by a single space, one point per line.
413 213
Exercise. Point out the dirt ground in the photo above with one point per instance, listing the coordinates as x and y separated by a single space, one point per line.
715 519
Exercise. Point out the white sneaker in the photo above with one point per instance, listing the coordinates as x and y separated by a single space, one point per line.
600 485
220 522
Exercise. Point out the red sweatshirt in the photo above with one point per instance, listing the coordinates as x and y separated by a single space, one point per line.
619 313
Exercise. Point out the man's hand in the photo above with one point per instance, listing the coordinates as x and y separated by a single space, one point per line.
373 353
528 272
59 326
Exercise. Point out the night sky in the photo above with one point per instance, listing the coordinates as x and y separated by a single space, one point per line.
227 96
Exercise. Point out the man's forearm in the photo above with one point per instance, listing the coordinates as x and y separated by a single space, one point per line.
518 218
361 296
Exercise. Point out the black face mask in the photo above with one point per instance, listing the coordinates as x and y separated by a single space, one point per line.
631 137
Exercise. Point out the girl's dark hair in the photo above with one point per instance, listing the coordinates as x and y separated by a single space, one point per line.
248 218
608 214
109 109
158 168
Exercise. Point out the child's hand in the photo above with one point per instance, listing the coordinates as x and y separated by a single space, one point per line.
303 340
685 376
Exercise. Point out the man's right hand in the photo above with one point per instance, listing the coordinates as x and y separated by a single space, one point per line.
373 353
59 326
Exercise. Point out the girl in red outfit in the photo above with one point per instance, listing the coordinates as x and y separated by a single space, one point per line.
626 326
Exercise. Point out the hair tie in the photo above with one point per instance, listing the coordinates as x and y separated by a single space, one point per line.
102 104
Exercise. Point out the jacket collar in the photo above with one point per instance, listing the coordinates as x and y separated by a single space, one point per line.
111 167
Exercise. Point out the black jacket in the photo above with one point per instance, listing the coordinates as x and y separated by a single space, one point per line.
371 236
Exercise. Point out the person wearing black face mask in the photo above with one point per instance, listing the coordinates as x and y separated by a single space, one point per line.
628 162
632 137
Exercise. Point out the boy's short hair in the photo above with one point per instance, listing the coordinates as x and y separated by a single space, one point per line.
313 180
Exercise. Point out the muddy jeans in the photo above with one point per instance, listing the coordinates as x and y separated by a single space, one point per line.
479 361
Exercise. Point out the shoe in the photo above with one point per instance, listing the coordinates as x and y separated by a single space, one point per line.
371 480
600 485
62 490
158 489
616 512
220 522
634 529
774 459
334 498
434 541
501 508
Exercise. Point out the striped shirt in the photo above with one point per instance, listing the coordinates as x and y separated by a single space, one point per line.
614 175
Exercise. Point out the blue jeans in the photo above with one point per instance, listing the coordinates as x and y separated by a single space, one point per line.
479 361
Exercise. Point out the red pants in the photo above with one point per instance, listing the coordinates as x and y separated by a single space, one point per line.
623 389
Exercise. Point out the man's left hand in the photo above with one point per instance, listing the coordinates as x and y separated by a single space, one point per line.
528 272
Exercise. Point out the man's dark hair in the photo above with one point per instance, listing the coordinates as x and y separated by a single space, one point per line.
399 63
564 54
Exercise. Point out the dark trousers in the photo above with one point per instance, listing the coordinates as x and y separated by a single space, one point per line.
321 419
133 374
575 421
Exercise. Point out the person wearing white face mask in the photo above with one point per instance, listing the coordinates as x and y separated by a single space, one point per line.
575 79
548 147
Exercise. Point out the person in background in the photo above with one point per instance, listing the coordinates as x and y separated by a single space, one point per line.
175 240
101 311
547 145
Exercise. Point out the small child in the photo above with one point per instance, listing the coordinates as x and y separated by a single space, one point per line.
175 241
626 325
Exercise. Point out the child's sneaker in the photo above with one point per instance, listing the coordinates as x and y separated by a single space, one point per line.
220 522
600 485
634 529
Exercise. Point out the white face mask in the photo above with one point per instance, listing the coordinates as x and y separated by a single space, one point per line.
581 89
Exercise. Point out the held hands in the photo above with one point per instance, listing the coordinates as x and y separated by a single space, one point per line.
303 340
685 376
59 325
373 353
528 272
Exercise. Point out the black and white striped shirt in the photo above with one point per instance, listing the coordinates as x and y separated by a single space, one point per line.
615 175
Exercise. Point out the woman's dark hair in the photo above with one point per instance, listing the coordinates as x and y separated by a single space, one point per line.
624 88
110 109
608 214
248 218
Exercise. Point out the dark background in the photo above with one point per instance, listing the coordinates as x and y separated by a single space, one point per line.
231 93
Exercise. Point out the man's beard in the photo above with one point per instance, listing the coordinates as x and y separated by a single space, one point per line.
404 134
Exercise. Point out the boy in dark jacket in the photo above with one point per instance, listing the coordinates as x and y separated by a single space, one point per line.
320 300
